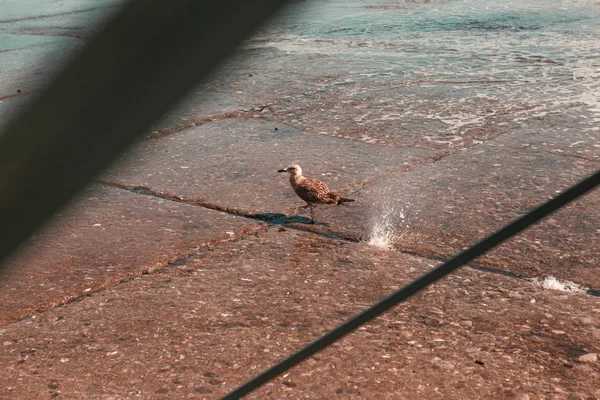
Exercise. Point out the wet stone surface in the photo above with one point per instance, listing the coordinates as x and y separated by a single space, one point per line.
234 163
441 207
430 77
197 108
15 73
108 235
200 328
34 39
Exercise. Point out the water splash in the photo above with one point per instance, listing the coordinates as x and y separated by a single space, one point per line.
388 221
551 282
382 231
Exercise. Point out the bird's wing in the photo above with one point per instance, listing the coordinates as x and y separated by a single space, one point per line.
312 191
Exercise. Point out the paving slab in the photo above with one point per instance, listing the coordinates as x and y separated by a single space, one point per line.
441 207
196 108
260 75
233 163
199 328
106 235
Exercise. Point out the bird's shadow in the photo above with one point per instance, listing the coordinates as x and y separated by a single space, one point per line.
280 219
302 224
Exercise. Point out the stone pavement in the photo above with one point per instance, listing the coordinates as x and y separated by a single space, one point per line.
188 266
206 323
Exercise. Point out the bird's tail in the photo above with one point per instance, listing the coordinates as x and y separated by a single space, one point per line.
343 200
334 198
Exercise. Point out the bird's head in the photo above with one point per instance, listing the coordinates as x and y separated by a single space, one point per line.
292 169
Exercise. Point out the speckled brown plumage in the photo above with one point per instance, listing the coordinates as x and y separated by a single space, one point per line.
312 191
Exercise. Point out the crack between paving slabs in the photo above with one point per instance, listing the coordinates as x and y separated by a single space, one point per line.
48 33
405 168
336 235
597 161
433 257
253 112
177 260
493 270
263 217
284 219
181 259
19 93
433 159
174 261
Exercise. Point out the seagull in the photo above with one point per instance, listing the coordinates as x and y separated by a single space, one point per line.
312 191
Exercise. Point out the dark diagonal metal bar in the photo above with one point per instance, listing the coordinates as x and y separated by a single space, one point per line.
420 283
146 58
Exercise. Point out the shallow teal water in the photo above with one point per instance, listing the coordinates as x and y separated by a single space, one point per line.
544 54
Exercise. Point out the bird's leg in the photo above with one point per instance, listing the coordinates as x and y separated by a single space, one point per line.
312 216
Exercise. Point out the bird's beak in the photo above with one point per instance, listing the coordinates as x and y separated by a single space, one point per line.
283 170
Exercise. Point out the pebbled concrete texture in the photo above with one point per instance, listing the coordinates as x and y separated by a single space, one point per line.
189 266
200 327
107 235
